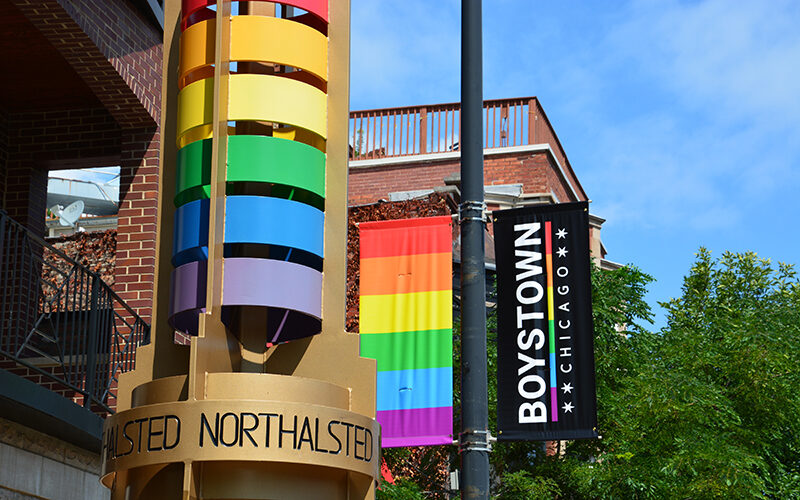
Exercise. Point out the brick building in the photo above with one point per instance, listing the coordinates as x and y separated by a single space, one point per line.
521 148
403 153
83 89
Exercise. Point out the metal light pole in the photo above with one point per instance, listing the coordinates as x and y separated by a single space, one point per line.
474 438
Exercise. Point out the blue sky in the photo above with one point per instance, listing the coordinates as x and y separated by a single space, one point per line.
681 118
99 175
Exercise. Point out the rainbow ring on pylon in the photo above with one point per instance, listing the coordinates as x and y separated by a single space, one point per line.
275 171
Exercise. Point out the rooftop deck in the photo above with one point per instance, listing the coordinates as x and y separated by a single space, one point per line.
519 123
435 128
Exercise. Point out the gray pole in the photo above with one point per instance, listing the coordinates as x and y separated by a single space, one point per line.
474 439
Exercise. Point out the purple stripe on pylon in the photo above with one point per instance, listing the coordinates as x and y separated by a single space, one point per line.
427 426
272 283
188 287
187 296
554 404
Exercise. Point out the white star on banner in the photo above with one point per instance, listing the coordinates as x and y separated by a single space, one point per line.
562 252
567 388
567 407
561 233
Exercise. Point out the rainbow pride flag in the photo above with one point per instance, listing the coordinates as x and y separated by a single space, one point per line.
406 323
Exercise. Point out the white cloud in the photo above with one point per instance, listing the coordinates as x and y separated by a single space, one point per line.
738 60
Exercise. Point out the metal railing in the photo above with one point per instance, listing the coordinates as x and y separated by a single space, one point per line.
380 133
60 323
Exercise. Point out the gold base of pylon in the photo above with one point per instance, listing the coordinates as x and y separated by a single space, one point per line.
255 436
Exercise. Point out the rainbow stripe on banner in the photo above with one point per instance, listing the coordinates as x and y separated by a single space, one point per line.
406 323
551 319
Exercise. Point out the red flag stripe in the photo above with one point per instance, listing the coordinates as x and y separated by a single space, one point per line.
395 238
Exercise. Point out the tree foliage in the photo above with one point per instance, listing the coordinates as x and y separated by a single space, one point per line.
706 408
402 489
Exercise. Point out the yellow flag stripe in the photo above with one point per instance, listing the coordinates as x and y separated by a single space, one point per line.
406 312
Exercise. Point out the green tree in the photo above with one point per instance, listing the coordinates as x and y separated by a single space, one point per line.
736 331
617 304
712 409
521 485
402 489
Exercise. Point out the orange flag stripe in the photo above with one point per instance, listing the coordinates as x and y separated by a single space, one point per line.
406 274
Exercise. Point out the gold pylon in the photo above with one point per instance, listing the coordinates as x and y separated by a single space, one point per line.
229 416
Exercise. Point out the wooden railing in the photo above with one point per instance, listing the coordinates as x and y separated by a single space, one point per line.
380 133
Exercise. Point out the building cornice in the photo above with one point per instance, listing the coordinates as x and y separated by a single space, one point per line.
456 155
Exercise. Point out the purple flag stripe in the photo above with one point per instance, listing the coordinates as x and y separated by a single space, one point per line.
388 442
433 425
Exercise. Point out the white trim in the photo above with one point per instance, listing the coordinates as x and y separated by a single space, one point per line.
400 160
455 155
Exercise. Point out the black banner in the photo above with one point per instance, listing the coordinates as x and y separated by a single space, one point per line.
545 349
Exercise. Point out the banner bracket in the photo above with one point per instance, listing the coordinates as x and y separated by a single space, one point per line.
476 441
477 206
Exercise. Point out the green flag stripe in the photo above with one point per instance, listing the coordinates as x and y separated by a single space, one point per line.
409 350
251 158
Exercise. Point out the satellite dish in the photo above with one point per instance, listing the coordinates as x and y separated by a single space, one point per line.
70 215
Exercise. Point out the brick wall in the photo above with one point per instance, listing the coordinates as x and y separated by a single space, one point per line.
535 171
136 232
369 184
26 195
117 52
64 138
543 133
112 47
